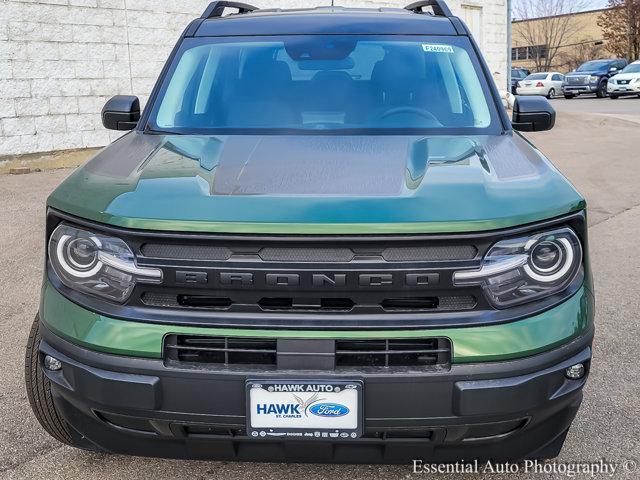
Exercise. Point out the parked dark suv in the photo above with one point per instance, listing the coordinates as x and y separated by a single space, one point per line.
591 77
518 74
321 241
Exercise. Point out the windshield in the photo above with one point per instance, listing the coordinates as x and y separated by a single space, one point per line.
537 76
633 68
324 83
593 65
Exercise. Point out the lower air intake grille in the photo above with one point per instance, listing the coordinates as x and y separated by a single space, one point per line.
420 352
220 350
258 352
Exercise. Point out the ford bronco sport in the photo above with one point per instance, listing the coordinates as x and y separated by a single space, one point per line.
321 241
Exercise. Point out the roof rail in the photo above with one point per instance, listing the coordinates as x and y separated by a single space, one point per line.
216 9
439 7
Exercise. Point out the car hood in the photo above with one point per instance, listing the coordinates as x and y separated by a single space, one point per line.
582 74
317 184
627 76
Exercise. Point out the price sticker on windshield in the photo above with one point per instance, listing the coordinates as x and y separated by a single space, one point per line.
434 48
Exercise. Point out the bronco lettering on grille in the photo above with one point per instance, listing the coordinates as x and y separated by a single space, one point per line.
312 280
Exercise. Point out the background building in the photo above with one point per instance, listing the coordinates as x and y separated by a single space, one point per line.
60 60
584 41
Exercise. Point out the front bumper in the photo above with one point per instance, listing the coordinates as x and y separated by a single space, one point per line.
577 89
533 91
501 411
621 90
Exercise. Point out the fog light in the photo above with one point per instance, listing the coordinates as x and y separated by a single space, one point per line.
52 364
575 372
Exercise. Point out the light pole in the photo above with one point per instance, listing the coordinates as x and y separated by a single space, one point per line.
509 42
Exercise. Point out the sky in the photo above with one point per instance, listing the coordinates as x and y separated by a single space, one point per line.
592 3
598 3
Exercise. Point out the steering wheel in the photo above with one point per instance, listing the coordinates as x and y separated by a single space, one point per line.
417 111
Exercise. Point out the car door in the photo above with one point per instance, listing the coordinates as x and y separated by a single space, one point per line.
618 65
556 81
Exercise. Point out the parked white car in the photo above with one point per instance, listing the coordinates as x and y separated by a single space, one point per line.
627 82
547 84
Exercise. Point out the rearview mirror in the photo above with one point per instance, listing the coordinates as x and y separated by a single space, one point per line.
121 112
533 114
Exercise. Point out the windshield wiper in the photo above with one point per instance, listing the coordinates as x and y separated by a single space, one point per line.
154 131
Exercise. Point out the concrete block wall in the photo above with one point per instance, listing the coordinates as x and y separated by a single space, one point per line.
60 60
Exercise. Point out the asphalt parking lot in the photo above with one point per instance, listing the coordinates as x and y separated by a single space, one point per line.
598 153
627 108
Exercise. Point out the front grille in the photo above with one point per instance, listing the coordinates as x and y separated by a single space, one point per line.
577 80
430 254
311 254
193 301
304 255
251 276
332 275
203 351
185 252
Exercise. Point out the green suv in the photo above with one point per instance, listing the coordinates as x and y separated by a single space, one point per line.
321 241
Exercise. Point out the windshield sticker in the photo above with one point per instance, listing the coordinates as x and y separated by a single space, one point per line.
429 47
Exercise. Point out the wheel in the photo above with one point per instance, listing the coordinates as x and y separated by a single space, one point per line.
39 391
551 94
568 96
613 97
602 90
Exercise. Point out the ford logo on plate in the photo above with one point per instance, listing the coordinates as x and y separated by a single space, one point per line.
329 410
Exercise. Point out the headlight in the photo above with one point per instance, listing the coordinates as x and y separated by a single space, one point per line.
95 263
635 80
593 78
523 269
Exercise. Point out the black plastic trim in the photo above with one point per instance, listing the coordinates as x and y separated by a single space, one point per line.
439 7
502 410
216 9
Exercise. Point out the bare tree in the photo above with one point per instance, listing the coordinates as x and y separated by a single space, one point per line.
621 28
550 26
571 58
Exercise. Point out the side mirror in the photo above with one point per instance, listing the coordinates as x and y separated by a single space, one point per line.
121 112
533 114
613 69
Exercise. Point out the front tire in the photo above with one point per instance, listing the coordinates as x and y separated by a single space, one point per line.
551 94
613 97
568 96
602 90
39 391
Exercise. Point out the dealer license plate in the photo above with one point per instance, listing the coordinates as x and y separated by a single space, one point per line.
330 410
